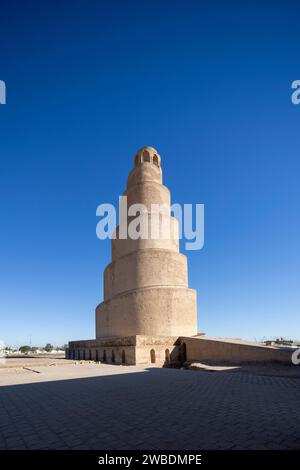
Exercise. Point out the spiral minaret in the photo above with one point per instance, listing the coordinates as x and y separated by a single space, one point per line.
146 284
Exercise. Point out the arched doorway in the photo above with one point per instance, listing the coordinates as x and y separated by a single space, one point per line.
83 355
167 355
97 356
113 359
123 357
182 353
104 356
152 356
90 355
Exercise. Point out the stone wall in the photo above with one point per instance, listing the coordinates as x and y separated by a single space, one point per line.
118 352
144 350
217 350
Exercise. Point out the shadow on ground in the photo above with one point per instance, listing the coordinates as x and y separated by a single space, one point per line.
152 409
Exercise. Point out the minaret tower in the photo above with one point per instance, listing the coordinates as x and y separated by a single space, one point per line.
146 285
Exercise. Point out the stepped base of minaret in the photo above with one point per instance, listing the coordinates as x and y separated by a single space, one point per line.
157 311
130 350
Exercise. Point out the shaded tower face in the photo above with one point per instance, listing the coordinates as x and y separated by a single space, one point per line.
146 284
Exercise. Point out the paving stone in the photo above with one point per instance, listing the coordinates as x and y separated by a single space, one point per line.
111 407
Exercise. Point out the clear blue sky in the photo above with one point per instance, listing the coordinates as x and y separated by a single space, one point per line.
207 84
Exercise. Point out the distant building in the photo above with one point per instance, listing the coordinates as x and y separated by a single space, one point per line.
279 342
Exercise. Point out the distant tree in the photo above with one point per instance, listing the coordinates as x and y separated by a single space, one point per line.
48 347
25 349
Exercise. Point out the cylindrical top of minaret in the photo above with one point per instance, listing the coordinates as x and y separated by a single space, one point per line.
147 168
147 154
144 184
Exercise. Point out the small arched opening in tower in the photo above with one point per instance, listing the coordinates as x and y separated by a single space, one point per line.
137 160
152 356
155 160
146 156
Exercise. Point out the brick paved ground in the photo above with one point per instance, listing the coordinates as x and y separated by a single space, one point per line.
114 407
